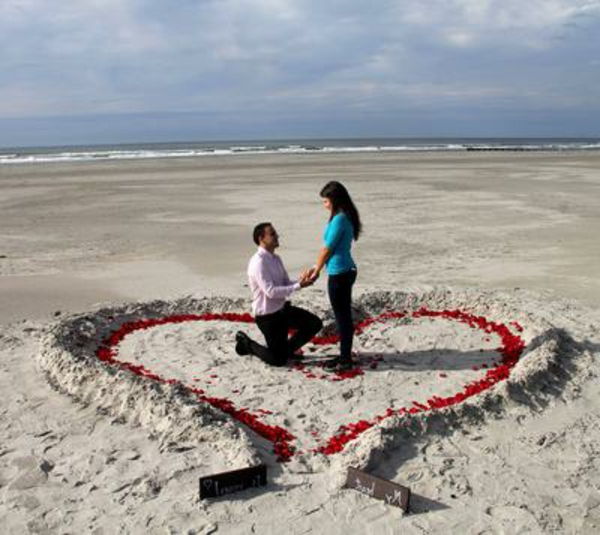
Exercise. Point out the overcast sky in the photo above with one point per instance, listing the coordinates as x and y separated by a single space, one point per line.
84 71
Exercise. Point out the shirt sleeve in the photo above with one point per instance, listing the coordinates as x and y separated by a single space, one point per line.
334 233
265 283
286 277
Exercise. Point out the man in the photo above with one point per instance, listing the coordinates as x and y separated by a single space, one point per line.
275 316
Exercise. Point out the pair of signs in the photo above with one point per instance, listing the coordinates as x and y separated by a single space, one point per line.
256 476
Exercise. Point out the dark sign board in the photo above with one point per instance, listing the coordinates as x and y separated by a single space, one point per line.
381 489
234 481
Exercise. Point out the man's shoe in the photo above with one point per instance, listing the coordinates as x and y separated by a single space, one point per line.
297 355
345 365
339 364
241 343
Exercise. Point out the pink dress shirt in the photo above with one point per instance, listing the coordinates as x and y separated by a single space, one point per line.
269 282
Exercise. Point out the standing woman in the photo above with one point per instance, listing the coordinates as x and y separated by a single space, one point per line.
344 226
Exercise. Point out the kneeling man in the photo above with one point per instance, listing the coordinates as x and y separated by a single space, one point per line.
275 315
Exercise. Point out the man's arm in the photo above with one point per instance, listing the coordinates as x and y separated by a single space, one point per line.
304 279
286 277
261 276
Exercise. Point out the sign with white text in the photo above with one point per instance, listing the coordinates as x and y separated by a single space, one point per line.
234 481
381 489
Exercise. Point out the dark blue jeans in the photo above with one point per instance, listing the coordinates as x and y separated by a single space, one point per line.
339 288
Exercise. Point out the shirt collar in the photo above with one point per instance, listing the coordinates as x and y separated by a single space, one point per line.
263 252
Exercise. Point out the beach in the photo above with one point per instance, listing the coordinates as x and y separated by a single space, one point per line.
506 236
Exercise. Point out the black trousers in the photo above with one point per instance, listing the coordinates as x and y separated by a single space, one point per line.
339 288
275 329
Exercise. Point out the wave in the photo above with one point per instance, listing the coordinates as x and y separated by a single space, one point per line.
85 155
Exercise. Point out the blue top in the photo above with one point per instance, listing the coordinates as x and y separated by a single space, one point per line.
338 239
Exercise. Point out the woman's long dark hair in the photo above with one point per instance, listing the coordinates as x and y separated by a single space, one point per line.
340 200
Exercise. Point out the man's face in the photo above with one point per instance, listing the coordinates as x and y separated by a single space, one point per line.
270 239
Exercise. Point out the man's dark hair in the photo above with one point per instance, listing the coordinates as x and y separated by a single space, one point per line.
259 231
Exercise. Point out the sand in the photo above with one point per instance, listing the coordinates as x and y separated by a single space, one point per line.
90 447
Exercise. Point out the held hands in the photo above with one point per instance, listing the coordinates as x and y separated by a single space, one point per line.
304 279
308 277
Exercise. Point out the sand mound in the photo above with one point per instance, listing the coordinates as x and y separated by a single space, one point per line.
168 411
428 361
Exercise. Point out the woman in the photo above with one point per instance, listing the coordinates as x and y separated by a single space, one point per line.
344 225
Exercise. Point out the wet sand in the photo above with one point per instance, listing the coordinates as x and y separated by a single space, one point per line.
477 219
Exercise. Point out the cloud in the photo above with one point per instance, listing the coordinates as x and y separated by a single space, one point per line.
272 56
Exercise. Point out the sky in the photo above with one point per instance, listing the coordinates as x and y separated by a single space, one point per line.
111 71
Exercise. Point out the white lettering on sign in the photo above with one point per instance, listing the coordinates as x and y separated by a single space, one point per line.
396 497
231 488
369 491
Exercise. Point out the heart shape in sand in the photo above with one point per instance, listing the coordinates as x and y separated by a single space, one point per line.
430 370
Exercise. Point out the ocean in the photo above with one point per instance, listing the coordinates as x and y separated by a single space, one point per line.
16 155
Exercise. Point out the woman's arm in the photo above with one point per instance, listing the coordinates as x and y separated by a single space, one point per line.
324 255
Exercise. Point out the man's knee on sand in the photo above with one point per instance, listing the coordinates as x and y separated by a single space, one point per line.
316 324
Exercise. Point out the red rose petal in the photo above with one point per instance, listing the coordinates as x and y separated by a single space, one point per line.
511 349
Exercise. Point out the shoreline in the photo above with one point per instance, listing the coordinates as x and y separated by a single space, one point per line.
243 155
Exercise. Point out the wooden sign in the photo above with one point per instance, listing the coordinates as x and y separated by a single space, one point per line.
381 489
234 481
